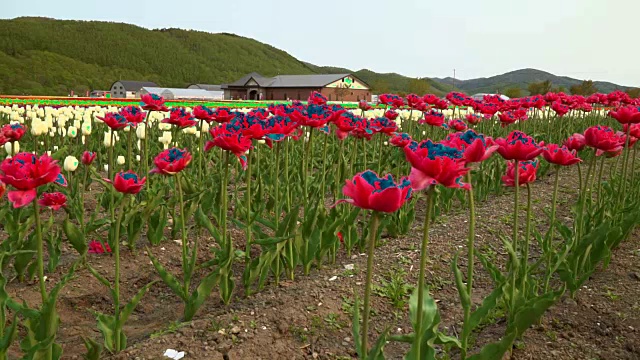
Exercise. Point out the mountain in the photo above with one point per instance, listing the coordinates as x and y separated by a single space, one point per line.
42 56
520 79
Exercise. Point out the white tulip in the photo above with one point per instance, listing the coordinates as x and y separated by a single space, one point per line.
72 132
141 131
106 167
16 148
138 158
164 126
86 128
107 139
70 163
205 127
121 160
190 130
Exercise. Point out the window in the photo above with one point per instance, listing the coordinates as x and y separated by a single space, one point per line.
352 93
358 97
329 97
285 96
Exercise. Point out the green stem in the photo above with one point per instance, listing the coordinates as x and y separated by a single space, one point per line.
584 199
116 282
129 150
373 231
324 166
247 254
514 239
40 252
423 265
470 257
550 234
186 274
225 184
525 252
380 148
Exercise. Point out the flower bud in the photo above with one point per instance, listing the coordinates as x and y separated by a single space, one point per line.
120 160
70 163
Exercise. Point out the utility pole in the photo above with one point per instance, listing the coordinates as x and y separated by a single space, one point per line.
453 83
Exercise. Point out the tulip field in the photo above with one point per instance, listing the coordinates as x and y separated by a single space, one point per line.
428 228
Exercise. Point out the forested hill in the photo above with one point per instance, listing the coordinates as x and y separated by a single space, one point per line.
42 56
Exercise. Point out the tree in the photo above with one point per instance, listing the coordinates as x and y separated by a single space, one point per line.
559 89
513 92
419 87
539 88
340 91
586 88
380 87
633 92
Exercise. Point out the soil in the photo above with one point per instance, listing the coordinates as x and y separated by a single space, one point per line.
309 318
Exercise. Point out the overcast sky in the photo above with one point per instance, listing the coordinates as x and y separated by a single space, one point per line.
584 39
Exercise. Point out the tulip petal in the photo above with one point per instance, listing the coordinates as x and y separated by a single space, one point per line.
21 198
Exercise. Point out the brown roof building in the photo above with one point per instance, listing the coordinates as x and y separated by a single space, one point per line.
336 87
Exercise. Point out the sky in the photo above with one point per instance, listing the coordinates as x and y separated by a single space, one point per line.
584 39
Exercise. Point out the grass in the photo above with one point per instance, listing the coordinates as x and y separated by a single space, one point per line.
394 287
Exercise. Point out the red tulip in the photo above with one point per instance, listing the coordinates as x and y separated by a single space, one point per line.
383 125
153 102
526 173
88 157
114 121
433 118
133 114
433 164
391 115
473 119
233 142
368 191
3 189
400 140
127 182
95 247
457 125
364 105
560 155
626 115
575 142
475 147
317 98
603 139
560 109
635 129
623 139
12 132
171 161
202 112
223 115
54 201
391 99
430 99
519 146
414 101
26 172
180 118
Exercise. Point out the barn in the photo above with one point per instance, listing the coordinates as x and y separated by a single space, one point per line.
128 89
335 87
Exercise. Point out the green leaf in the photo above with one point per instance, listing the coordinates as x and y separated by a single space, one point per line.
201 294
75 237
167 277
94 350
131 305
465 300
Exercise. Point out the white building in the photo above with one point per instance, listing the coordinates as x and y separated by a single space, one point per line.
129 89
215 90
